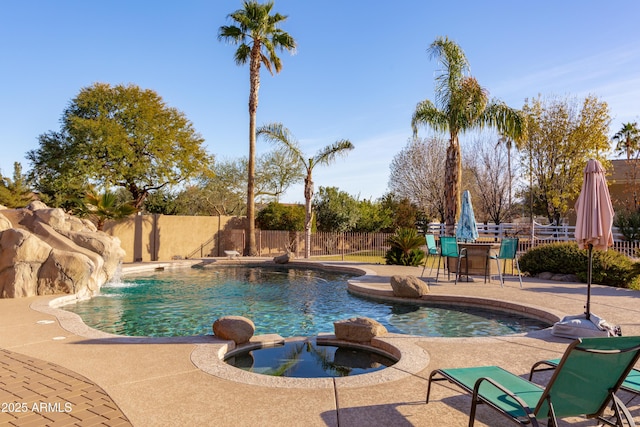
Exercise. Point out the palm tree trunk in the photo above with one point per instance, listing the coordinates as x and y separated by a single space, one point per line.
254 77
452 178
510 179
308 195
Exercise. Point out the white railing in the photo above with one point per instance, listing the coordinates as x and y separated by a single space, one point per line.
539 235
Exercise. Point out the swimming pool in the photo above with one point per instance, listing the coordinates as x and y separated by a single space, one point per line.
283 300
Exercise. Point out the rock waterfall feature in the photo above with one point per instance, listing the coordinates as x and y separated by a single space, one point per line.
44 251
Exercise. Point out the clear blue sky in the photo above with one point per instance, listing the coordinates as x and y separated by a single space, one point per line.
359 71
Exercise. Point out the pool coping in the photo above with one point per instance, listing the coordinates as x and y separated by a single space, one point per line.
209 351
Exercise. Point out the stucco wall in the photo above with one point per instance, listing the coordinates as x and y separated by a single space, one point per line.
166 237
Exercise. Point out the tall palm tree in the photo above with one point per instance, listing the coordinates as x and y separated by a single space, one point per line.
461 104
276 133
628 139
258 38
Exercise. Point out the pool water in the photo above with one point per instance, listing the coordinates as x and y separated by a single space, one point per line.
282 300
308 359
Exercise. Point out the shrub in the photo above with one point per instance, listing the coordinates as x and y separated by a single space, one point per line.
628 222
561 258
405 248
610 268
276 216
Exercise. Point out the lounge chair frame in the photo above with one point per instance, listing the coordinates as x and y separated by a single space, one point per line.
571 391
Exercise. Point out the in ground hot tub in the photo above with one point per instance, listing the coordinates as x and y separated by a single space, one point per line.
311 358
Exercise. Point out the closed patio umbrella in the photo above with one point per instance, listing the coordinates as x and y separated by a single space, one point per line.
593 231
466 228
594 217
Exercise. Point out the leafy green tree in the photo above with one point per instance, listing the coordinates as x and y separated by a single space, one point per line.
403 213
15 193
258 36
335 210
374 217
276 216
276 133
161 202
627 139
276 171
562 134
120 136
102 207
461 105
222 194
225 193
59 180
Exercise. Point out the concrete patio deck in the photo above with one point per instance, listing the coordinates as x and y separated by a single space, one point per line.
84 377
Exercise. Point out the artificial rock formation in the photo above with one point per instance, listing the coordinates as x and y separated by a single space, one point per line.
45 251
408 287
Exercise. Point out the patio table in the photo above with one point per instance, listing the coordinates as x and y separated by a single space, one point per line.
476 260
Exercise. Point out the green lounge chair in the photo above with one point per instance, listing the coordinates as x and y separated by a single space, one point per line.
630 384
583 383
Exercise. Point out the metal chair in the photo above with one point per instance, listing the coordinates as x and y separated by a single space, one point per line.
432 249
584 383
449 249
508 250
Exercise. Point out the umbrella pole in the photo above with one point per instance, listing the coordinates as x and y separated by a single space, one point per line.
589 270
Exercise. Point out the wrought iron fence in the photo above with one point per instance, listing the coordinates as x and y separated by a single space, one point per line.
371 247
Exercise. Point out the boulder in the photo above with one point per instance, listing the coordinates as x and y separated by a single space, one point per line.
358 329
283 259
408 287
234 328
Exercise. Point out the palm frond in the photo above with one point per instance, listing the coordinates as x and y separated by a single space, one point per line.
242 55
278 134
330 152
454 68
426 114
508 121
256 23
231 34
